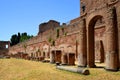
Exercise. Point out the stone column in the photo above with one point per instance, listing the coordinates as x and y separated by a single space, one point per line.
34 55
52 57
64 59
111 41
118 21
82 55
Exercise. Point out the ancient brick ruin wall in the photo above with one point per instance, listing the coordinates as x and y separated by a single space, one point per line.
4 48
4 44
48 25
95 8
88 5
42 39
99 33
68 40
99 26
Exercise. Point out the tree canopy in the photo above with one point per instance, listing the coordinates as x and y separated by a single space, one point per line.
20 37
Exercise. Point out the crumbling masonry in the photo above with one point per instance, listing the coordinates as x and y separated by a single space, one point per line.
92 37
4 48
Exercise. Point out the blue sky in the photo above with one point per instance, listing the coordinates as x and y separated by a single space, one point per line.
25 15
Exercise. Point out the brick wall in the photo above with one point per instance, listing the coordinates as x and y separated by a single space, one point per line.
4 48
88 5
68 37
48 25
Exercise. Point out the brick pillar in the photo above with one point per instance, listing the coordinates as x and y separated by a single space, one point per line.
52 56
33 55
36 54
111 41
118 21
64 59
82 55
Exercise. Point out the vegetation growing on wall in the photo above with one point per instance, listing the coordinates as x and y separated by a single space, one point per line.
65 33
53 43
62 30
39 50
57 33
25 47
50 40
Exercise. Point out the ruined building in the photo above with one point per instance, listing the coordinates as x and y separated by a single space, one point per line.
4 48
92 37
49 25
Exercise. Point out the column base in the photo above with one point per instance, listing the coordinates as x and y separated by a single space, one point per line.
91 66
64 64
114 70
81 66
52 62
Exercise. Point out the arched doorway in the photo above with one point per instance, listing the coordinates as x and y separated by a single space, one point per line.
96 30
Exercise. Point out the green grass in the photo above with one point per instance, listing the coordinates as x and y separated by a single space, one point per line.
18 69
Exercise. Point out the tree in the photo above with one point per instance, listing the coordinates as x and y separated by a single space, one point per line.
14 40
24 37
19 38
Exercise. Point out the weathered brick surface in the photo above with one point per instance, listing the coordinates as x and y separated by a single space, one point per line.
92 4
118 19
48 25
4 48
98 35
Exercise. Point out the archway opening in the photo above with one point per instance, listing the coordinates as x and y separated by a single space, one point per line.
96 30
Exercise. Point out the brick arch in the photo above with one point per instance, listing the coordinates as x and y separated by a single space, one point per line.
95 15
93 20
91 40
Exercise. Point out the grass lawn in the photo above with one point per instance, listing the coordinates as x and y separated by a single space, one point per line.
18 69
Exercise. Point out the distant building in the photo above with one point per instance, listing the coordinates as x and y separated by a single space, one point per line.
4 48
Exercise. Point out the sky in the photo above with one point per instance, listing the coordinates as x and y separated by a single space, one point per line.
26 15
